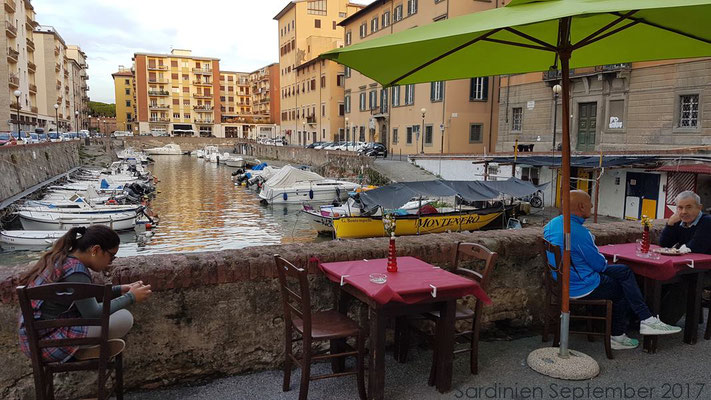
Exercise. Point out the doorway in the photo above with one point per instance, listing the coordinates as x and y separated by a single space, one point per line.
641 195
587 125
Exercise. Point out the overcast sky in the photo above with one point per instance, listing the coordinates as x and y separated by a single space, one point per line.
241 33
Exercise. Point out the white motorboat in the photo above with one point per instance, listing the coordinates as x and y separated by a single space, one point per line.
50 221
200 153
71 207
30 238
210 153
293 185
131 154
168 149
236 162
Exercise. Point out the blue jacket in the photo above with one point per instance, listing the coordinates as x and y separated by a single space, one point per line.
586 261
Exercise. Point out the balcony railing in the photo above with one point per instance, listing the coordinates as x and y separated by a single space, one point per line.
158 80
10 6
31 66
162 120
66 89
66 73
12 55
203 108
159 106
203 121
202 96
86 88
311 119
33 88
57 67
201 83
56 50
14 80
34 109
202 71
10 29
158 93
30 44
158 67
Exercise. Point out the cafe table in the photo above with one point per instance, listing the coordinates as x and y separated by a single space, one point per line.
417 287
689 268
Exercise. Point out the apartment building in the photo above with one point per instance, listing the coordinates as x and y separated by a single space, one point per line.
636 106
177 93
56 110
18 73
235 103
78 76
458 116
265 94
125 99
309 111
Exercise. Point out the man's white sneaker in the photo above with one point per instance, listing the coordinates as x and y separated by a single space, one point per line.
653 326
623 342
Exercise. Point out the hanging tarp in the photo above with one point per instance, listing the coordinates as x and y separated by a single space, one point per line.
395 195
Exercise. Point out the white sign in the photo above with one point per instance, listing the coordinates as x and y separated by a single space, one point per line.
615 123
441 127
531 104
455 115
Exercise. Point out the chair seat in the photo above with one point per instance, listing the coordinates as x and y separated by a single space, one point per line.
463 312
329 325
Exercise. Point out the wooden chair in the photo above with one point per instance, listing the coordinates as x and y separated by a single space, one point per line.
44 371
552 303
314 327
706 304
469 250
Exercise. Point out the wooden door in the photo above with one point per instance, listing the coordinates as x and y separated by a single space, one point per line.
587 126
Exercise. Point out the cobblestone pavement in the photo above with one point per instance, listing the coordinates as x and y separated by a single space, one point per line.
676 371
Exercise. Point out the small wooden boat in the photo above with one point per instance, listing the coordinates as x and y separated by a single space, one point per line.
30 238
46 221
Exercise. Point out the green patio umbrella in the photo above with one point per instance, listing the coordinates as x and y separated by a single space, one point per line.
529 36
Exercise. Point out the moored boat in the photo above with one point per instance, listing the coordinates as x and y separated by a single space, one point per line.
47 221
168 149
30 238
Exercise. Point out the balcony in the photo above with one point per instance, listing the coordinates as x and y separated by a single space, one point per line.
10 6
159 107
203 121
33 88
12 55
162 81
10 29
31 66
30 23
30 45
204 71
201 83
158 93
66 89
34 109
86 88
203 108
311 119
202 96
14 80
66 73
159 120
56 50
57 67
157 67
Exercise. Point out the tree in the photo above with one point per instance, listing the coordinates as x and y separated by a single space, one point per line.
97 108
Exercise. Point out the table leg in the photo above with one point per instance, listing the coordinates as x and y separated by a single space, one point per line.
693 303
376 357
342 302
445 346
652 295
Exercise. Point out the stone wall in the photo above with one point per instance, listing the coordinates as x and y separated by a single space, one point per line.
22 167
219 313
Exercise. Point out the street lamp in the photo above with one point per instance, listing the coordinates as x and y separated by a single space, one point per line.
17 94
56 118
556 91
76 120
422 131
347 135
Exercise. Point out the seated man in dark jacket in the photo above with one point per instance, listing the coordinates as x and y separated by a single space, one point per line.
688 226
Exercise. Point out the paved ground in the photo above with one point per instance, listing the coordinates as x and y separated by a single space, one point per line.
676 371
401 171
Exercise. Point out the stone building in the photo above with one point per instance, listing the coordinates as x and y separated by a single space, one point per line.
637 106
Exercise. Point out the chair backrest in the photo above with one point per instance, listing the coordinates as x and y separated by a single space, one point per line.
552 283
479 252
295 297
64 293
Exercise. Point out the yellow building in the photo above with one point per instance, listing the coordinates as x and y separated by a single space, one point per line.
177 93
456 116
125 100
308 28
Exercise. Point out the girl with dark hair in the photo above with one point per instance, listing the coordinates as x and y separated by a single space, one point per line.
69 260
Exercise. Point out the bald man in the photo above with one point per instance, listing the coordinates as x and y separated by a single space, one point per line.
591 278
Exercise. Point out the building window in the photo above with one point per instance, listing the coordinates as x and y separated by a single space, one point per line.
397 13
128 103
396 96
174 64
475 133
383 101
323 81
436 91
347 72
689 111
347 103
363 30
516 118
428 135
409 94
176 102
478 88
408 136
348 38
411 7
339 80
372 100
616 111
362 101
128 91
317 23
128 116
341 109
361 137
323 109
374 25
176 115
386 19
127 82
173 76
334 25
394 135
186 77
316 7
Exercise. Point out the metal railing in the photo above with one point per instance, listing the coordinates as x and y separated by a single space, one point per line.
10 6
11 29
33 87
159 120
12 54
202 71
158 93
31 66
202 96
158 106
14 80
158 67
203 108
30 44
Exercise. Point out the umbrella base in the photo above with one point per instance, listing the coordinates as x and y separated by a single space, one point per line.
578 366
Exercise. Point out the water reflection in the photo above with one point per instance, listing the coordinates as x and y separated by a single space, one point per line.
201 210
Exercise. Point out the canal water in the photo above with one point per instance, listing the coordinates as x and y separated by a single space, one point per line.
200 209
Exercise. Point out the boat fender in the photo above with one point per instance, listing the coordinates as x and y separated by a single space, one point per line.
311 194
155 179
336 215
149 226
285 196
112 202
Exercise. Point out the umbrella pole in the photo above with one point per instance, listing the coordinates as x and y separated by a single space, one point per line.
565 169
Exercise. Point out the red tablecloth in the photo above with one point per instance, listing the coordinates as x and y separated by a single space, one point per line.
411 284
662 269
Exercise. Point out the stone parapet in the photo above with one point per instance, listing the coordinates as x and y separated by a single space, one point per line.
220 313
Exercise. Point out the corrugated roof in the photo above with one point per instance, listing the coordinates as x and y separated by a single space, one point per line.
688 168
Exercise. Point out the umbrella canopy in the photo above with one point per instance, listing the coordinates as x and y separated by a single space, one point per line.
536 35
523 36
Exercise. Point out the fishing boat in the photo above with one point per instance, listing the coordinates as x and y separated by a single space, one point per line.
168 149
49 221
293 185
322 219
30 238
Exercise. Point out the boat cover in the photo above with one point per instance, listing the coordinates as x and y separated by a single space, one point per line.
395 195
288 176
259 167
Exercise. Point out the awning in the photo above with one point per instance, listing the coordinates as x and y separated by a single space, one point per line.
688 168
395 195
575 161
182 127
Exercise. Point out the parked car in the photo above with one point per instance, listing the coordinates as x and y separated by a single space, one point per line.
43 137
5 139
123 134
55 137
374 150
